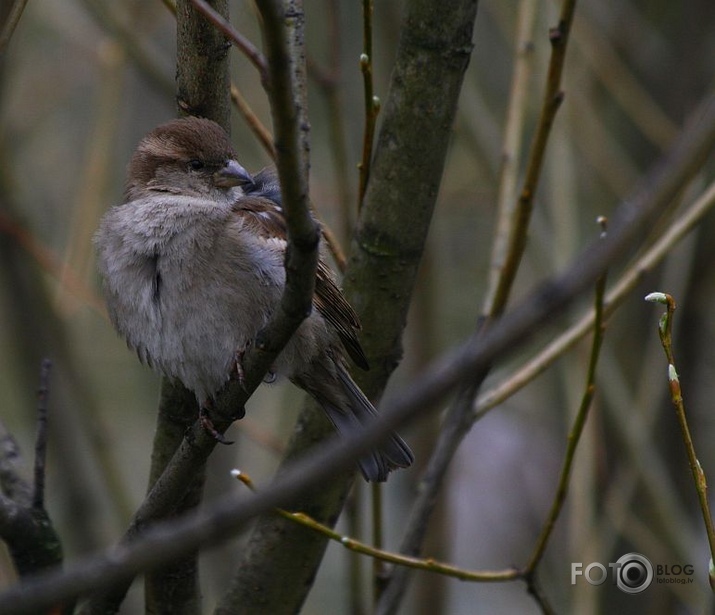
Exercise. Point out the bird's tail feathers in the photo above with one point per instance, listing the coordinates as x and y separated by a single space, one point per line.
390 454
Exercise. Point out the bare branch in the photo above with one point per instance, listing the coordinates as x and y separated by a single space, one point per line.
25 526
553 96
12 484
202 78
628 280
38 494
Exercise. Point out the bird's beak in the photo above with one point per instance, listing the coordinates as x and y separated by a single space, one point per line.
232 174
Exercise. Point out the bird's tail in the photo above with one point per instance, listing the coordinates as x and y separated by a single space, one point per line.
350 412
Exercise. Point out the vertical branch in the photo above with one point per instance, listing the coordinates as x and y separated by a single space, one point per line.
575 433
254 56
372 102
553 97
223 25
202 79
203 88
25 526
284 34
38 487
511 146
665 328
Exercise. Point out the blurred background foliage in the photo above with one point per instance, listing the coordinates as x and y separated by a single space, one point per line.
84 80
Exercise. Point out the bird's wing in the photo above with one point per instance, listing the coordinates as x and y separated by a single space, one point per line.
262 217
265 218
332 304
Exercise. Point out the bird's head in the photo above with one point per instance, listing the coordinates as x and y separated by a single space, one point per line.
189 156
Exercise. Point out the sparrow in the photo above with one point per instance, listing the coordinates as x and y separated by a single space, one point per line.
192 264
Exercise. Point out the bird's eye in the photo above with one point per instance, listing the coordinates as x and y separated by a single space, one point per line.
196 164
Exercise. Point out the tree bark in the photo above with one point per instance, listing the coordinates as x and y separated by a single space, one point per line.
203 85
280 563
202 78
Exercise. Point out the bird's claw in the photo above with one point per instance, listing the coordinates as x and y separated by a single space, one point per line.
208 425
238 373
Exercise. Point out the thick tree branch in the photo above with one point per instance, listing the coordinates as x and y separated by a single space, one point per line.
459 418
417 120
202 78
202 84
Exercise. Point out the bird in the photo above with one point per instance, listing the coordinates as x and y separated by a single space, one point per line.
192 263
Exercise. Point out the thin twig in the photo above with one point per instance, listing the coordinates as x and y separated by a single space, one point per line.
25 527
538 595
372 102
259 129
38 491
329 80
511 145
333 244
628 280
665 332
427 564
576 430
553 96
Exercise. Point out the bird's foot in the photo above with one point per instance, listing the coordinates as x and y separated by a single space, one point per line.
237 371
208 425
